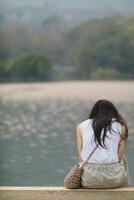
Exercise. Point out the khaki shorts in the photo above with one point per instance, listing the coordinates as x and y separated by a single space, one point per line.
110 175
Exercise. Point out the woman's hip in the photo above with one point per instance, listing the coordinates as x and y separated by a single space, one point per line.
109 175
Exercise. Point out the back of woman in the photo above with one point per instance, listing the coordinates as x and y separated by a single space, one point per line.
106 129
102 155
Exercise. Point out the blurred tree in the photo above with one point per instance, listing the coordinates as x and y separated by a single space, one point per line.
2 19
29 67
112 48
107 74
106 43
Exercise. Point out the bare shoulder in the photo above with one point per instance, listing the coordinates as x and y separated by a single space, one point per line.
79 124
78 127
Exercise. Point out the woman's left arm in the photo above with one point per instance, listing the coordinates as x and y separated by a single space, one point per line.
122 144
79 141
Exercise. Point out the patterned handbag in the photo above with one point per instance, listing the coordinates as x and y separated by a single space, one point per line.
73 178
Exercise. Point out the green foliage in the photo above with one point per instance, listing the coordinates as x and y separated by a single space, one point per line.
99 48
107 74
21 30
2 69
29 67
2 19
111 47
50 21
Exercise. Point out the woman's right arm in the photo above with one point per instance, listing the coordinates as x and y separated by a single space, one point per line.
122 143
79 142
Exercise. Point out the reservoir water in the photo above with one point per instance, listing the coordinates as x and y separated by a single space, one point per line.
37 135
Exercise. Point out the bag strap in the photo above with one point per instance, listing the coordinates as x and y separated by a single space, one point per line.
83 163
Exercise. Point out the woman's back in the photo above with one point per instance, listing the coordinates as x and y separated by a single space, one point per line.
101 155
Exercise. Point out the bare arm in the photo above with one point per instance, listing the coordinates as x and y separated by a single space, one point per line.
79 141
122 144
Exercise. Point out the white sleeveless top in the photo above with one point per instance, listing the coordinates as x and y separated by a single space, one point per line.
101 155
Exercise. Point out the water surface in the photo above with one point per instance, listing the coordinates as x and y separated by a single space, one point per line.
38 142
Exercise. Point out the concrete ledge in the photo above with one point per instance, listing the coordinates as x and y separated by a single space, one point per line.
61 193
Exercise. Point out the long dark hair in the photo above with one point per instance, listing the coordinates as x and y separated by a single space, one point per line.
102 113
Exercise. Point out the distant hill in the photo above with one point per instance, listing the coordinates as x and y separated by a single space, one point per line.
71 12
